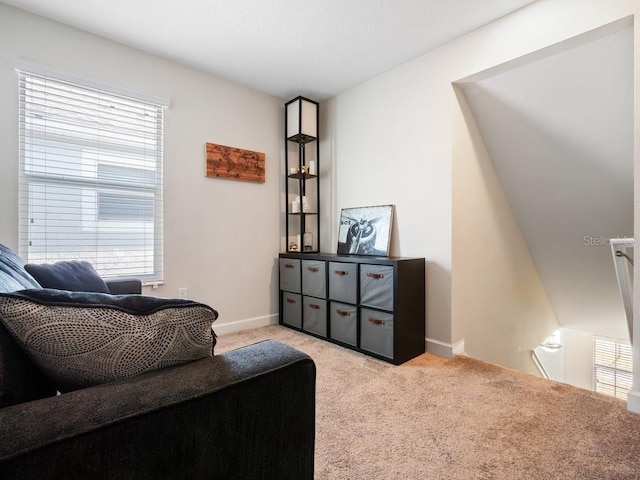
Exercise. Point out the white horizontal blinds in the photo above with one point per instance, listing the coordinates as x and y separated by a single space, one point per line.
90 177
612 368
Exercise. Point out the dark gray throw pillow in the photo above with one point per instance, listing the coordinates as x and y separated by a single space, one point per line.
80 339
76 276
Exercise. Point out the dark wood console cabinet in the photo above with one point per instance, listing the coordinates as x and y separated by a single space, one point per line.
374 305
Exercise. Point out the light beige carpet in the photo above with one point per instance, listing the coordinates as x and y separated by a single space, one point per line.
434 418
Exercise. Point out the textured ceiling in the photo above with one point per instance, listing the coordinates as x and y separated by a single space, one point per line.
316 48
559 131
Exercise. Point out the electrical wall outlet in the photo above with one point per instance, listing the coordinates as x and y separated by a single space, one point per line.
182 293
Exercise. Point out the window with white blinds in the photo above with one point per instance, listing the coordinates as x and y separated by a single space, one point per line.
612 367
90 177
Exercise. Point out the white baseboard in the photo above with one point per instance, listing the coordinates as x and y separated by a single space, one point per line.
633 401
458 348
443 349
439 348
245 324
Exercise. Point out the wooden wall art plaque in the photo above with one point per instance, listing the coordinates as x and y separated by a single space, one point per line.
234 163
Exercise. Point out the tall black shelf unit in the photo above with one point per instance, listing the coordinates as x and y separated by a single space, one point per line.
302 163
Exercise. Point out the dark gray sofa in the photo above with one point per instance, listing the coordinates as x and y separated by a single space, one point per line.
244 414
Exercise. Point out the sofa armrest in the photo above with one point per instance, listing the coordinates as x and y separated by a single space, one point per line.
248 413
124 286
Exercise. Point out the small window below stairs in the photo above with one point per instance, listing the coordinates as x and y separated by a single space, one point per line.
612 367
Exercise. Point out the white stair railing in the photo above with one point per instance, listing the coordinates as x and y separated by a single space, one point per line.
538 364
622 260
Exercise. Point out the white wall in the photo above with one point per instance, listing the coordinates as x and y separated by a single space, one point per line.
221 237
392 136
499 305
559 130
578 358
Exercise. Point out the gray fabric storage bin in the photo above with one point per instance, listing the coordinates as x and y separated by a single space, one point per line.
314 278
290 275
376 286
315 315
376 332
292 309
343 282
344 323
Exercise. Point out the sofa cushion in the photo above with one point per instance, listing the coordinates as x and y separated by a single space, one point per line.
79 339
77 276
13 276
20 380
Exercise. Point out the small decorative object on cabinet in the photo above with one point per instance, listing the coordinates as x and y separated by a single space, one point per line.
302 190
374 305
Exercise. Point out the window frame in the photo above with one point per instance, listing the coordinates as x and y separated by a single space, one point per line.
618 365
125 151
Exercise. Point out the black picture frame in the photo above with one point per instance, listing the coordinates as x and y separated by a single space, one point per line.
365 230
